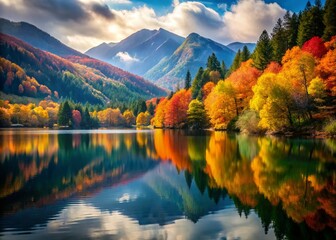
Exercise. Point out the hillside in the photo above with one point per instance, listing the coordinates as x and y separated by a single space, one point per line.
191 55
36 37
140 51
27 71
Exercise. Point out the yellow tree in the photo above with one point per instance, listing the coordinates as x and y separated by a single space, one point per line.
159 116
129 117
143 119
220 105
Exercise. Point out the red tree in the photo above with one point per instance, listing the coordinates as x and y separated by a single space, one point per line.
315 46
76 118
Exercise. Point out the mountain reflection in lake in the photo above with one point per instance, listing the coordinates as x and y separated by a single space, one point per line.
124 184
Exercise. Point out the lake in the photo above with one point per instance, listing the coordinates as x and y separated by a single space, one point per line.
165 184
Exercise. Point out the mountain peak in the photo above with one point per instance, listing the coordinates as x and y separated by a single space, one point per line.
193 36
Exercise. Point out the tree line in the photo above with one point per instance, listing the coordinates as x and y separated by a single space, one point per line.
288 82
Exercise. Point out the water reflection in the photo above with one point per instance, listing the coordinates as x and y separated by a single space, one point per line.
149 181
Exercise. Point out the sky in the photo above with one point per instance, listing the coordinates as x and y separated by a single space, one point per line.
82 24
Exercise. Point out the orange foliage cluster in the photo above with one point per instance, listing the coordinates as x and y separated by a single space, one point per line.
173 113
15 75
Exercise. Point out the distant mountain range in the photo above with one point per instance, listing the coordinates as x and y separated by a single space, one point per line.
160 56
192 54
27 71
140 51
164 57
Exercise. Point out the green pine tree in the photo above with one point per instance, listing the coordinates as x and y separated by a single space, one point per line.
213 64
64 114
245 54
311 23
263 53
236 62
291 25
224 70
187 83
329 19
279 41
197 83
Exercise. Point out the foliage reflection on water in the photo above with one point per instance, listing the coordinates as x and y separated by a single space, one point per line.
287 182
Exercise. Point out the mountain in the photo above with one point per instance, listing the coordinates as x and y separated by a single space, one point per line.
31 72
140 51
192 54
235 46
36 37
100 50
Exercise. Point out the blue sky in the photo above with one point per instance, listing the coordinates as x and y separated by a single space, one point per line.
83 24
163 6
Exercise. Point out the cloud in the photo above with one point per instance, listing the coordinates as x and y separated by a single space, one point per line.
102 10
62 10
249 18
83 24
175 3
125 57
120 1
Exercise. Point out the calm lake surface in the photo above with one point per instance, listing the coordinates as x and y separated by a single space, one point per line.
161 184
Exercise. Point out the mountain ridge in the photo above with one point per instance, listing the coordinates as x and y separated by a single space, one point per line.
192 54
140 51
36 37
29 71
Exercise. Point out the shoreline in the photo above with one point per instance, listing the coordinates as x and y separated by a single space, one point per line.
311 134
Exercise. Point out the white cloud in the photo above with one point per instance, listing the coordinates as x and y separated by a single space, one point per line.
125 57
243 21
175 3
249 18
120 1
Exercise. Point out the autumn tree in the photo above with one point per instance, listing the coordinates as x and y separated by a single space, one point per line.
76 118
242 80
327 72
317 90
176 109
207 88
298 70
143 119
263 53
159 116
129 118
220 105
272 102
315 46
